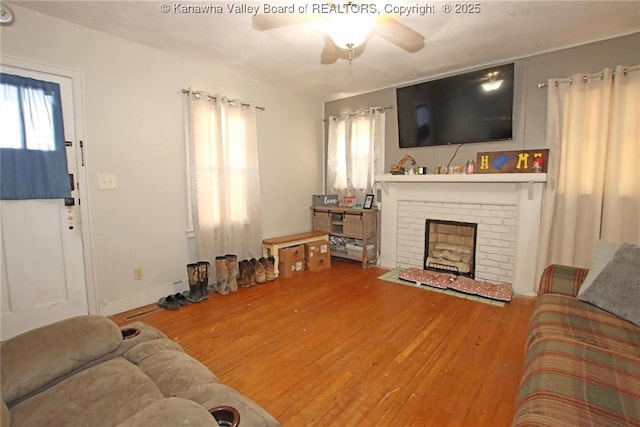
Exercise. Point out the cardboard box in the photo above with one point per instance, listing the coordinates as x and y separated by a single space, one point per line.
317 248
290 268
317 255
319 262
291 254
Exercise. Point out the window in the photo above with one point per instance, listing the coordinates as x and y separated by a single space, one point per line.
32 148
353 143
26 118
224 181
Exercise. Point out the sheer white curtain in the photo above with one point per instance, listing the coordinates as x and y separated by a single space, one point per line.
224 181
593 187
355 144
621 205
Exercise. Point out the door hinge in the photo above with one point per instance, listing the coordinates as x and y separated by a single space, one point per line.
81 153
68 143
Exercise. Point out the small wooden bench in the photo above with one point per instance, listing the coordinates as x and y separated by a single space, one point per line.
270 246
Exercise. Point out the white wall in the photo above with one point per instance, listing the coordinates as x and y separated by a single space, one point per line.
134 129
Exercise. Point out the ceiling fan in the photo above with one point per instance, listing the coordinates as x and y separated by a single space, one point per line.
348 26
6 14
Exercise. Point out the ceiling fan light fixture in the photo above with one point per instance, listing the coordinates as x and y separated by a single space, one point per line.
349 30
6 14
492 85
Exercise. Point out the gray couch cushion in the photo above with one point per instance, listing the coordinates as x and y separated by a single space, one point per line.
617 287
173 370
147 333
171 412
605 251
178 374
140 352
103 395
31 360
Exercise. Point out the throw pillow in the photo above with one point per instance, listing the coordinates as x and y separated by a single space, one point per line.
617 287
604 253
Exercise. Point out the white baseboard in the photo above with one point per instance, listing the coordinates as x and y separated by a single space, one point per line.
139 299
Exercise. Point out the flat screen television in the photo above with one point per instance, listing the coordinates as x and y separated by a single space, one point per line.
471 107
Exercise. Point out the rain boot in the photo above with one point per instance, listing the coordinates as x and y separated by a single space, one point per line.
260 272
269 270
232 262
241 274
194 294
252 271
245 273
222 275
203 278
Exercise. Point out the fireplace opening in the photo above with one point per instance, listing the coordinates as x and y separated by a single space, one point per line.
450 247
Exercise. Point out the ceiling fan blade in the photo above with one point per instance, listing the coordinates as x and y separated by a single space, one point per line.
330 52
271 21
399 34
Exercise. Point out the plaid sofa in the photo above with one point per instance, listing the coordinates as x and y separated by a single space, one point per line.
582 365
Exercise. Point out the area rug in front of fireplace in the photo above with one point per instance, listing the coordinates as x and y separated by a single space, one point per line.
475 291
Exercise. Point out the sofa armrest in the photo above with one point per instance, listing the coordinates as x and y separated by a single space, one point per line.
562 279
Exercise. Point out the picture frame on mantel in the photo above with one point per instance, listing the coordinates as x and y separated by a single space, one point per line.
368 201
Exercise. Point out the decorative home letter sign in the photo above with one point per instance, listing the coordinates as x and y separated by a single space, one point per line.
325 200
525 161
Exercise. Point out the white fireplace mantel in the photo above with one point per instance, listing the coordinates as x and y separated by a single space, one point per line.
464 178
522 191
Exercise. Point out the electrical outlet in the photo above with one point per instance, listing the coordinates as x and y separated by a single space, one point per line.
137 273
107 182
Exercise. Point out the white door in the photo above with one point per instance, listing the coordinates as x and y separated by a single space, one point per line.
43 275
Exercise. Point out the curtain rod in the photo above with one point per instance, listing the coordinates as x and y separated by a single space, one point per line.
355 113
589 76
199 93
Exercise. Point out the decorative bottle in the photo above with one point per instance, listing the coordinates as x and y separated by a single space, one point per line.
471 167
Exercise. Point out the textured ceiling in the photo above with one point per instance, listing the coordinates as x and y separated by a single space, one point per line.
290 56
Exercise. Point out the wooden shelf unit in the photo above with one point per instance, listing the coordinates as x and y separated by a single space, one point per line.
349 223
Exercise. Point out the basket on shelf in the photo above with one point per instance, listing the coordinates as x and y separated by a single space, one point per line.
348 200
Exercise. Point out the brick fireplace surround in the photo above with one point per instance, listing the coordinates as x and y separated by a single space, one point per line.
506 207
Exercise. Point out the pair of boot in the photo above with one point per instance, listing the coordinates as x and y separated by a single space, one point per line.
255 271
226 274
269 269
198 275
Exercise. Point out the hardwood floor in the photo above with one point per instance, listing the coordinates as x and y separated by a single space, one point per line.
340 347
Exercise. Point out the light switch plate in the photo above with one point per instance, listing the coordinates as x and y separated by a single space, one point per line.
107 182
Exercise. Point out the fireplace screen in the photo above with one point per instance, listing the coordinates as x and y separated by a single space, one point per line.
450 246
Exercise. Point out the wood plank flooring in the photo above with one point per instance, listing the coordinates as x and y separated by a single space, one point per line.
340 347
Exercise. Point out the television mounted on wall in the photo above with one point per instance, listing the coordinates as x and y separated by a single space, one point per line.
472 107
